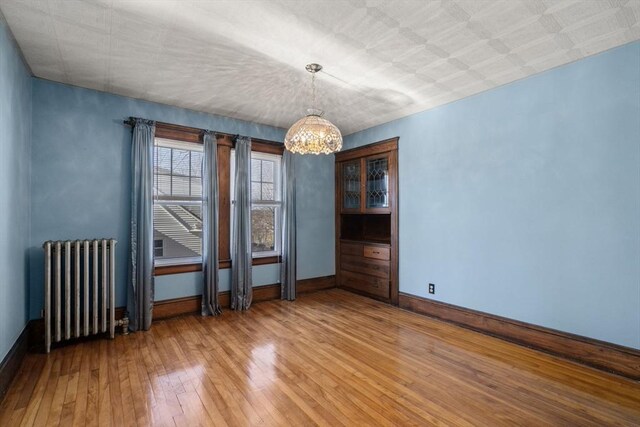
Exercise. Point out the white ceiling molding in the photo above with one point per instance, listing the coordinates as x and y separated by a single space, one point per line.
245 59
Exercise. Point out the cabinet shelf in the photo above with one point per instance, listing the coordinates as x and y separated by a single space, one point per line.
366 227
372 241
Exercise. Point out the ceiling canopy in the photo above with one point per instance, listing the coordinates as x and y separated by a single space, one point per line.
245 59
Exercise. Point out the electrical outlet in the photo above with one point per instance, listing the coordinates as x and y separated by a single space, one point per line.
432 288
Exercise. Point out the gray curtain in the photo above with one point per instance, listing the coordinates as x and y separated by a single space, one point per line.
210 302
288 227
140 289
241 290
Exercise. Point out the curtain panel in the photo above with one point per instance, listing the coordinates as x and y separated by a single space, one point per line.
141 282
210 301
288 227
241 257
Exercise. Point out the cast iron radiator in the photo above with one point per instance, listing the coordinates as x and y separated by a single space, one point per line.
79 289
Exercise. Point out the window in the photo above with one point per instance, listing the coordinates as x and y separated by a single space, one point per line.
158 246
265 202
177 199
177 202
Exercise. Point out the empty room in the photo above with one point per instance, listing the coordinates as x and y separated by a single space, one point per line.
319 212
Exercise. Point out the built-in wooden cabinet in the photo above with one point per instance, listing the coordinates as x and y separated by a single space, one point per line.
367 220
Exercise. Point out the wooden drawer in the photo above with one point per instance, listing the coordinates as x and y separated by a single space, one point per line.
372 267
376 252
362 282
350 249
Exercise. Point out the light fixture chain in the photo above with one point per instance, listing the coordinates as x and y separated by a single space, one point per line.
313 90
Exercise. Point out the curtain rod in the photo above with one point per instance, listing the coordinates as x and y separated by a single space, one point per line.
132 120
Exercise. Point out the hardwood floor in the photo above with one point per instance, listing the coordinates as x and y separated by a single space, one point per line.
330 358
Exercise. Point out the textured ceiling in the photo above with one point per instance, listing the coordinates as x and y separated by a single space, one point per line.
245 59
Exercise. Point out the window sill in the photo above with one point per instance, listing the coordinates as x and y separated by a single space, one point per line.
164 270
266 260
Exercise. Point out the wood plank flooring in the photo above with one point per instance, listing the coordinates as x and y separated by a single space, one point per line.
330 358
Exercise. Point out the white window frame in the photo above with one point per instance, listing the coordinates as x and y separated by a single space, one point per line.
174 200
277 203
155 247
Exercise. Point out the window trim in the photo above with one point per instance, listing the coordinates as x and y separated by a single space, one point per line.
163 270
167 262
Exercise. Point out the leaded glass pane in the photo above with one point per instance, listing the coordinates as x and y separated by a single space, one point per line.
351 185
378 183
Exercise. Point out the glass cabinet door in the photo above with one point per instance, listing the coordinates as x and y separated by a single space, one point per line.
377 184
351 185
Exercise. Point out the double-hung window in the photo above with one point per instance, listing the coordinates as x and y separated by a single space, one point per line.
177 199
177 202
266 202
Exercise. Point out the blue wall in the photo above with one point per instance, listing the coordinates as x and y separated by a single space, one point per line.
524 201
81 181
315 208
188 284
15 137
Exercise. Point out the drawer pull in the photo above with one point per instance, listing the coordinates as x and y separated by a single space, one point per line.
376 253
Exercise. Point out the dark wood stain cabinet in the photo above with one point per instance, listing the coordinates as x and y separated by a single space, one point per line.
367 220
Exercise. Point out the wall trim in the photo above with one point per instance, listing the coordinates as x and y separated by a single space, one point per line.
598 354
11 363
314 284
167 309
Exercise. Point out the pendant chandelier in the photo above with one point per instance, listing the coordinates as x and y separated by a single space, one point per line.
313 134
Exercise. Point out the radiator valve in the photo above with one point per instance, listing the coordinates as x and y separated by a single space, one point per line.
124 322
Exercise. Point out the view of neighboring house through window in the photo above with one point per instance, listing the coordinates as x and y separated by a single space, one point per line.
177 202
158 246
265 202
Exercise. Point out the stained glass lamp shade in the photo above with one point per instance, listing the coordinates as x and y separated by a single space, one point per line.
313 134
